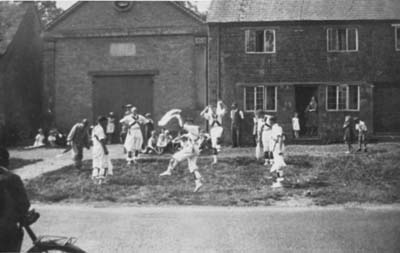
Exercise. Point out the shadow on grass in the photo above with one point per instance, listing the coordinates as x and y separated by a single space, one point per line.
17 163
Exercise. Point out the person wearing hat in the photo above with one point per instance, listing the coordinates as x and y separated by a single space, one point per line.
265 139
237 117
100 151
124 127
134 138
14 204
214 117
78 138
110 127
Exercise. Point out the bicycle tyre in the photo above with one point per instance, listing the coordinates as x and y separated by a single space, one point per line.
67 248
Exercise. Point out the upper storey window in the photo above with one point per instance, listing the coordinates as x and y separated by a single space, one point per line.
342 39
260 41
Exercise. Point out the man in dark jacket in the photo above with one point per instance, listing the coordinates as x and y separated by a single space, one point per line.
78 138
14 205
236 121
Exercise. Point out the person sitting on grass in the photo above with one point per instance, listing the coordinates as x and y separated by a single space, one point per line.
162 141
100 152
348 133
151 147
362 130
39 140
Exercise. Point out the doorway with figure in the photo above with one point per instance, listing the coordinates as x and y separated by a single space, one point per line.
307 108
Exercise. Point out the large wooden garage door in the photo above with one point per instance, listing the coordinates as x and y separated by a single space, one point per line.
387 108
111 93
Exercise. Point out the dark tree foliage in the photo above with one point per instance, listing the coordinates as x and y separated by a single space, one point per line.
48 11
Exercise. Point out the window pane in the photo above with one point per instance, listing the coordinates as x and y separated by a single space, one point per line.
332 40
269 41
251 41
353 97
249 97
342 97
259 41
398 38
332 97
270 96
352 39
342 39
259 98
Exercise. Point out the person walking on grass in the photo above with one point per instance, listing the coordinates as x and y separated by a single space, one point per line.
77 139
100 156
214 117
265 139
190 147
134 138
237 117
348 133
277 139
362 130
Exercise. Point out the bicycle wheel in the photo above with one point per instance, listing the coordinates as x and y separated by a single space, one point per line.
43 248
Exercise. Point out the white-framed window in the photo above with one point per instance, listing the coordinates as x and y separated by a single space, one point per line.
343 97
260 41
342 39
397 37
261 98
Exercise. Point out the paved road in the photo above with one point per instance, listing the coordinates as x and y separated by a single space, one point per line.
221 229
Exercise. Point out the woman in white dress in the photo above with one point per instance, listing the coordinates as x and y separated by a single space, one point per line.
134 138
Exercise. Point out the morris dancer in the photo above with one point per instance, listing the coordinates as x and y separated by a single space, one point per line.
214 117
277 143
265 139
134 138
190 148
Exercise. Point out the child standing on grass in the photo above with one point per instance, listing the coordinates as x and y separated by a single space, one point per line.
296 125
348 133
362 130
100 151
265 137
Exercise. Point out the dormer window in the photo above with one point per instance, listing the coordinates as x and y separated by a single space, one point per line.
123 5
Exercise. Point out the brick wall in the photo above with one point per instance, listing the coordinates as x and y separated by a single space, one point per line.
164 37
301 56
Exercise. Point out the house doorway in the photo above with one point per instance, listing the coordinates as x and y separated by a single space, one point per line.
308 120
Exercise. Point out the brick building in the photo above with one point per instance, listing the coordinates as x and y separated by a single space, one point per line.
101 55
20 71
275 55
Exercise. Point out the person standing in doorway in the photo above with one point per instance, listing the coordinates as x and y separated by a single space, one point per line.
237 117
312 117
78 138
110 127
296 125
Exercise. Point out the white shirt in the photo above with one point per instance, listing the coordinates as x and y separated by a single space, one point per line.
276 132
133 122
361 127
295 124
98 134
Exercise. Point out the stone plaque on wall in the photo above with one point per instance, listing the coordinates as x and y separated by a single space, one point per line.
122 49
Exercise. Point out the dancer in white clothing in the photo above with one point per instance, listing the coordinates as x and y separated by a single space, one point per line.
277 148
214 117
134 138
99 151
190 151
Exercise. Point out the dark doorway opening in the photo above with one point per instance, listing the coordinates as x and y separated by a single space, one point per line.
303 95
112 92
386 108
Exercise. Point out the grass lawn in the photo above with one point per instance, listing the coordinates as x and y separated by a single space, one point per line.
241 181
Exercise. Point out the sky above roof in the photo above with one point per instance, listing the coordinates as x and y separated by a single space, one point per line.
203 5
